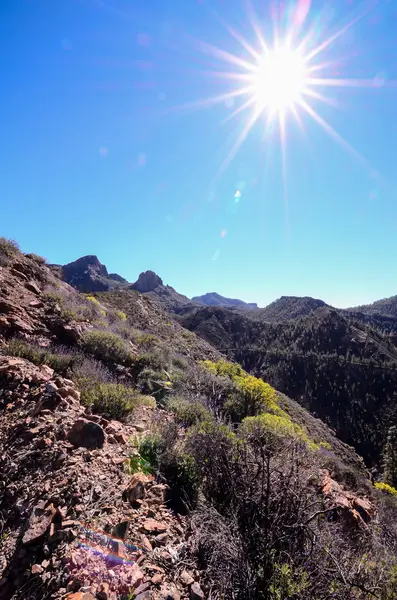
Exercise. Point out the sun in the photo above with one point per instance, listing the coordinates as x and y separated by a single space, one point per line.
280 80
288 75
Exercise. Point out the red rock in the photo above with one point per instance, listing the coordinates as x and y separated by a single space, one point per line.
156 579
142 588
146 544
80 596
154 526
136 576
136 489
32 287
37 569
358 510
39 523
186 578
36 304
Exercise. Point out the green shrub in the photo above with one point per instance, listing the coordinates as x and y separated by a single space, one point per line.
151 360
179 468
147 340
121 315
42 356
37 258
111 400
9 250
137 464
270 430
385 487
223 368
252 396
180 363
151 447
188 413
108 347
155 383
93 300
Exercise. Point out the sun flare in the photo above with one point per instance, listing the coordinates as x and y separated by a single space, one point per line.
280 80
288 73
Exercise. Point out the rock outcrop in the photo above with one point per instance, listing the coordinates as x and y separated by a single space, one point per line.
147 282
87 274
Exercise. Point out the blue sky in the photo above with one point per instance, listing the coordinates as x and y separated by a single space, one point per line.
100 155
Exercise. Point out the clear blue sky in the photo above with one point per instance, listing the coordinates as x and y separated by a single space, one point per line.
96 157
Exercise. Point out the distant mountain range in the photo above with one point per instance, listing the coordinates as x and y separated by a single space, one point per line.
87 274
214 299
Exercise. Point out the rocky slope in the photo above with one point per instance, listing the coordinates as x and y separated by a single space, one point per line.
125 474
75 520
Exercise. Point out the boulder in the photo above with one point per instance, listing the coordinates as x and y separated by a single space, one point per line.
87 434
136 489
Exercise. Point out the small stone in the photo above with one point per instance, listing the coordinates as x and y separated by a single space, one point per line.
144 596
146 544
136 576
87 434
45 563
32 287
36 569
196 593
186 578
156 579
36 304
103 592
154 526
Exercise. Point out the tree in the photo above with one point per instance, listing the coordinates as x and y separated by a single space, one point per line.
390 457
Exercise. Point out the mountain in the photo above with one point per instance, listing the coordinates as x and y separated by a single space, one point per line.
337 367
386 307
289 307
214 299
136 460
87 274
150 283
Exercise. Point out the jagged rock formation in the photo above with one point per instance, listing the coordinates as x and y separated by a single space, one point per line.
87 274
214 299
150 283
147 282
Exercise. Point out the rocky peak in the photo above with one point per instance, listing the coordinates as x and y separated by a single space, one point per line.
147 282
84 264
87 274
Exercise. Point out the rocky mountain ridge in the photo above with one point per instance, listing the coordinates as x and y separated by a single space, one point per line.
137 461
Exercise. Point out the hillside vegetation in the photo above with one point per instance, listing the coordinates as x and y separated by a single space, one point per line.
139 462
